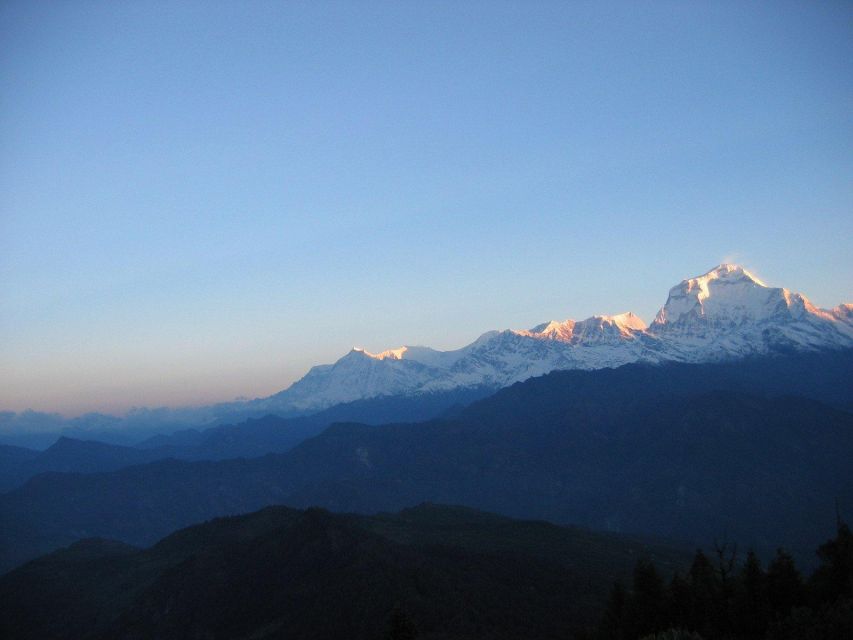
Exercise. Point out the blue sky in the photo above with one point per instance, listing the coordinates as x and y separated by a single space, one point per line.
199 201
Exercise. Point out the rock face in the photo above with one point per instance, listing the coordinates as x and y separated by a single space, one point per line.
724 314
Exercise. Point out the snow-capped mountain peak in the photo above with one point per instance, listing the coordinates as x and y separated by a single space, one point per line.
392 354
553 330
728 312
723 288
623 325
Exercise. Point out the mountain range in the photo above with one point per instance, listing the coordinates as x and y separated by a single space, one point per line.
724 314
727 313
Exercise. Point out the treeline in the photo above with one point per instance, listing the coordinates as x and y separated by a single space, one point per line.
722 598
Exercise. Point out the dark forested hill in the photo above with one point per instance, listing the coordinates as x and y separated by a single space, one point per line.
689 452
279 572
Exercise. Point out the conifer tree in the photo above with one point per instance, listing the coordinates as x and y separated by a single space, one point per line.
785 588
613 620
751 606
680 601
834 577
704 591
647 604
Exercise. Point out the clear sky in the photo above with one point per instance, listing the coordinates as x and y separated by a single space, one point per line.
198 201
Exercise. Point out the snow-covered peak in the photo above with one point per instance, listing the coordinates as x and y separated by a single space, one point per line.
623 325
609 329
416 354
389 354
553 330
626 322
728 290
728 313
731 271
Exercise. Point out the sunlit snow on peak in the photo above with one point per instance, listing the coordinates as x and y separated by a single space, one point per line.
728 270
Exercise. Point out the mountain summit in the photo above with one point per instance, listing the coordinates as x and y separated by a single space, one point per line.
726 313
725 288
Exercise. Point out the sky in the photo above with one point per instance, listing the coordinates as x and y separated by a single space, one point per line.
201 200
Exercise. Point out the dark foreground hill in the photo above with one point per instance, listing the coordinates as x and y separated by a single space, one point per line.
282 573
688 452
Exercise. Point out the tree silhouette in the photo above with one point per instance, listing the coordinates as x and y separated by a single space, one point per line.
680 601
724 601
705 592
834 578
401 626
751 604
613 620
785 588
647 611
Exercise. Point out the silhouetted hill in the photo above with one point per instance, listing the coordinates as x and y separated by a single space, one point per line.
682 451
279 572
